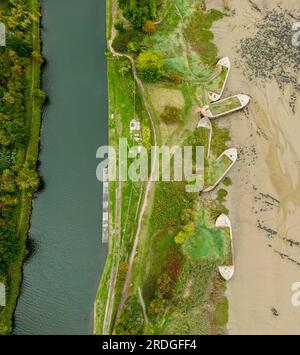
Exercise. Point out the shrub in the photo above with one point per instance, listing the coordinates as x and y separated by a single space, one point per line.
171 114
215 210
227 181
133 47
149 27
222 194
119 26
176 78
125 69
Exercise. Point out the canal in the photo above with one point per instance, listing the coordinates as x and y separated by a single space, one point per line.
62 275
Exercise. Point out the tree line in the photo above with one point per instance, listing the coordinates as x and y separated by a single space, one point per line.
17 176
138 12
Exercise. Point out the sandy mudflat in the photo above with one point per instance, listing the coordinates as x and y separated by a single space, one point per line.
265 199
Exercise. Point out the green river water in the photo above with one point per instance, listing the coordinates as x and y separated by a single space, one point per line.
62 275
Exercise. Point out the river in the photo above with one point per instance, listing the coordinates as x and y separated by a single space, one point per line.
62 275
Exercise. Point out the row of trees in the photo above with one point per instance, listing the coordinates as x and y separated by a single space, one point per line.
16 176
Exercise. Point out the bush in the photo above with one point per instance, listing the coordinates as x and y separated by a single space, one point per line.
119 26
171 114
149 27
222 194
227 181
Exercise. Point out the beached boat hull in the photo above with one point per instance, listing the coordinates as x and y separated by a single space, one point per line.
224 62
226 271
243 99
232 154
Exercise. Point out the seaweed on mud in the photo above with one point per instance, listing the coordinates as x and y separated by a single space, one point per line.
270 54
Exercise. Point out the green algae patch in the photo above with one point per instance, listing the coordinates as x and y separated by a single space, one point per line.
207 243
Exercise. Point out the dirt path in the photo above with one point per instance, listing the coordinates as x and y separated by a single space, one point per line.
265 198
142 302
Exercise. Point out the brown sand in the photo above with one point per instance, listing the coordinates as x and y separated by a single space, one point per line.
268 138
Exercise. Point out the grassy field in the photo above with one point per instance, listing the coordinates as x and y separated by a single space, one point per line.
33 114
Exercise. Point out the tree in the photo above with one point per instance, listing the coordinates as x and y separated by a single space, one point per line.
139 11
28 177
4 328
37 56
119 26
40 95
7 182
22 47
149 27
7 245
171 114
2 92
4 138
150 64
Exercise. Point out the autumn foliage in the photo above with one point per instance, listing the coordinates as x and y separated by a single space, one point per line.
149 27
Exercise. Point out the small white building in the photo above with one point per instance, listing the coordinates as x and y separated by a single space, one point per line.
135 125
2 35
2 295
136 131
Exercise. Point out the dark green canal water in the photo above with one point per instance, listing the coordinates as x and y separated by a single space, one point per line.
62 275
